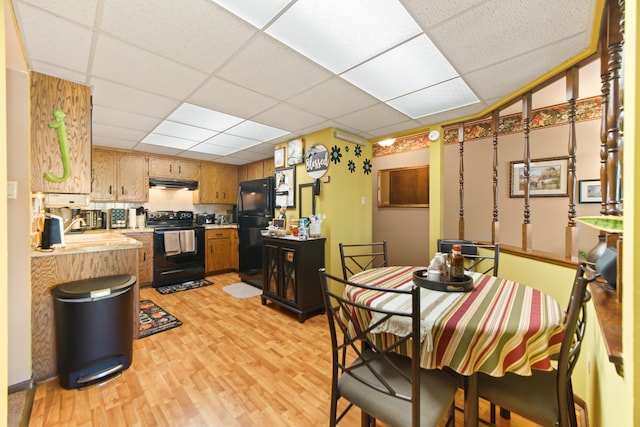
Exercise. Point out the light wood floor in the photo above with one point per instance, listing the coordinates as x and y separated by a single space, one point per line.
234 362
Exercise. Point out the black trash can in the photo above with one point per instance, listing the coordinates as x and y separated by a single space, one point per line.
94 329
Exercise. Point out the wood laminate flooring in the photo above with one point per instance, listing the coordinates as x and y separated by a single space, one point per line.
234 362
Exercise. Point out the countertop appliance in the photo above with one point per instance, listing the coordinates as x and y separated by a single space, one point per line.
255 208
205 218
178 247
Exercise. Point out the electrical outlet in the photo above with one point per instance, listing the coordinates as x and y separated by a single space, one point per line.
364 201
588 364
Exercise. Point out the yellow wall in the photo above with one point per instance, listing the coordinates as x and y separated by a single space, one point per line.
347 219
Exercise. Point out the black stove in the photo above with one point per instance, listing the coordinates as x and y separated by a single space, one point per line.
178 247
168 219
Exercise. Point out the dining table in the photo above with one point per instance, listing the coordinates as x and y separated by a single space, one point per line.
496 326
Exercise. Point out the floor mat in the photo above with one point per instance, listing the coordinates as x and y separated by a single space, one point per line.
179 287
154 319
242 290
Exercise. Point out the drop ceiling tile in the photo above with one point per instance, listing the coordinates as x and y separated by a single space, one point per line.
397 128
115 117
231 160
117 61
221 95
272 69
265 149
257 13
549 21
199 156
514 72
249 156
59 72
116 132
83 12
218 150
195 115
126 98
430 13
287 117
332 98
157 149
199 34
106 141
379 115
69 45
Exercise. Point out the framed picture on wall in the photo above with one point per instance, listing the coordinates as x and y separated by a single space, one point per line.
285 187
547 178
590 191
295 151
278 157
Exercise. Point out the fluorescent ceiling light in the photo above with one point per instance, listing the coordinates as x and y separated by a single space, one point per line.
435 99
194 128
339 34
411 66
257 13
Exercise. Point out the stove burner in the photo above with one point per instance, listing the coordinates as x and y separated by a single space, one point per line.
170 218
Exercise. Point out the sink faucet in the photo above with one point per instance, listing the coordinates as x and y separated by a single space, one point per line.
74 222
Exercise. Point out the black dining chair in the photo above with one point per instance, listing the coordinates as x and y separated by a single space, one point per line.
546 397
357 257
480 257
372 376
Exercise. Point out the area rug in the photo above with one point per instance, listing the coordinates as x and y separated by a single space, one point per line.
242 290
154 319
179 287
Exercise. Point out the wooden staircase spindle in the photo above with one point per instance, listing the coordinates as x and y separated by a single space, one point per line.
461 181
495 225
571 235
527 230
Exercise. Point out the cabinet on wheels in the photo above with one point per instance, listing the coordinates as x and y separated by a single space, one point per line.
291 277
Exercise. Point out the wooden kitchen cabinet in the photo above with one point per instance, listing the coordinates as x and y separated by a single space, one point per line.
218 184
220 254
256 170
119 176
166 167
145 257
291 278
47 95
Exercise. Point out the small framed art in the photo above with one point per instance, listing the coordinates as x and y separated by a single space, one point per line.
547 178
278 157
590 191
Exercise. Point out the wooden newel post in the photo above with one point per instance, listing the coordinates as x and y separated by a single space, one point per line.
527 229
571 232
461 181
495 224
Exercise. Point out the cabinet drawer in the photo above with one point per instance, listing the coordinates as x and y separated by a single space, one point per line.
221 233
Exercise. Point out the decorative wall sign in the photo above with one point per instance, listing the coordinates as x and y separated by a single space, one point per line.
317 161
547 178
64 148
278 157
590 191
286 187
295 151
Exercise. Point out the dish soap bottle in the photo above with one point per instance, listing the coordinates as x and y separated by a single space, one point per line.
457 264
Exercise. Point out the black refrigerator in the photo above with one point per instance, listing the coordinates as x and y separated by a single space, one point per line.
256 199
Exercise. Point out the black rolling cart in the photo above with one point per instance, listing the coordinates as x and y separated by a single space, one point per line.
93 327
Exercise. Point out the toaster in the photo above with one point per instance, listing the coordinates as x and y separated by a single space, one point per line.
205 218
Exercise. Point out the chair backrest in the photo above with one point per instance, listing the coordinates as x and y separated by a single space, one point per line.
572 342
358 257
483 258
348 335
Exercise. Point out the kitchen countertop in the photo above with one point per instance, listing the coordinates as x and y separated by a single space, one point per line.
214 226
93 241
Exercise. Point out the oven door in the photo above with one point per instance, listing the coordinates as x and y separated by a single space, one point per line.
174 265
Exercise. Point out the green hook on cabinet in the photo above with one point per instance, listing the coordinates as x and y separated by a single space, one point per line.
64 148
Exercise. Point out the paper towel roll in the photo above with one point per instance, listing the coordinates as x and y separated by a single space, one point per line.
132 218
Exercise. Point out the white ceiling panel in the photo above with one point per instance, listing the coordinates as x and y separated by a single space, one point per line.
144 59
146 71
199 34
270 68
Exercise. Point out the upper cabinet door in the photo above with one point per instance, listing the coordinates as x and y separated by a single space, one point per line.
103 176
60 135
164 167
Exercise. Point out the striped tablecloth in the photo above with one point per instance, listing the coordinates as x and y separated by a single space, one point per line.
500 326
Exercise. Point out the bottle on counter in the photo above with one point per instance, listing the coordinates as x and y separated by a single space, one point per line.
457 264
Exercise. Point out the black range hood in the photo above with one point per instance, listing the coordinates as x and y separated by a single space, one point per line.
173 184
